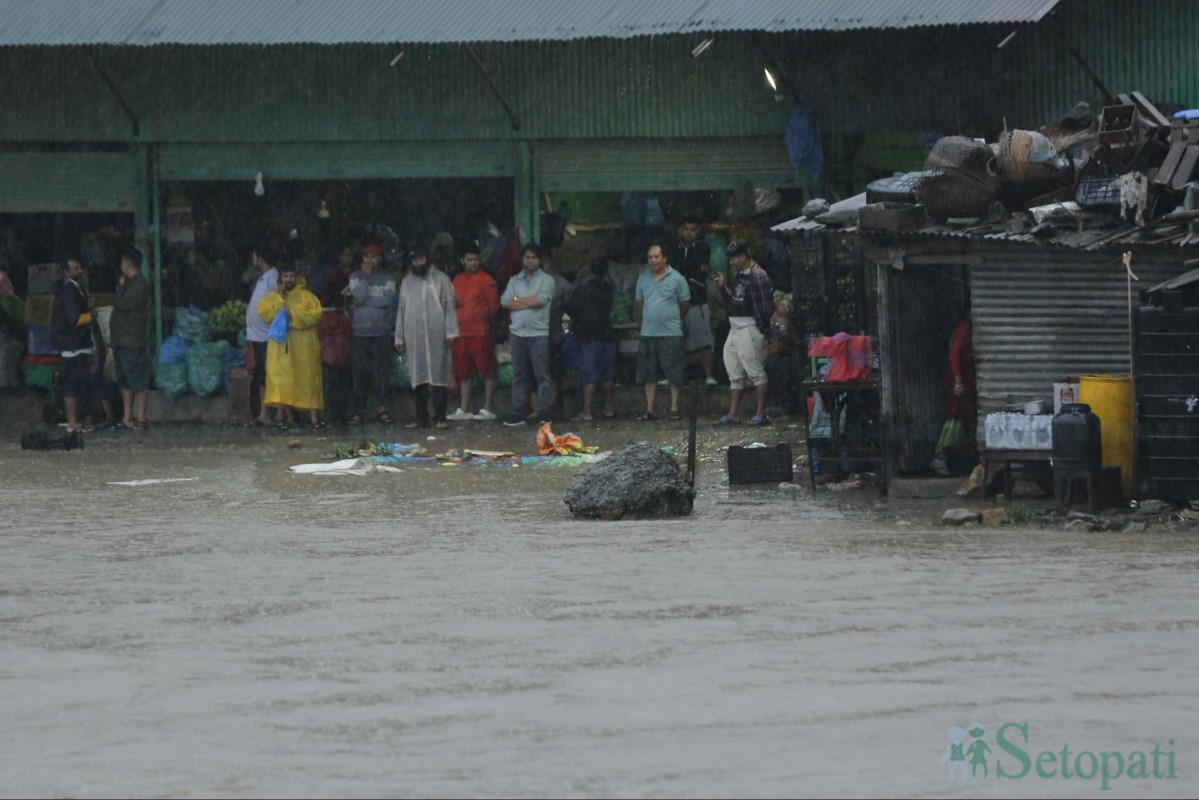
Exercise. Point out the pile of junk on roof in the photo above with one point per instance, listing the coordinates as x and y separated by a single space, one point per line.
1128 174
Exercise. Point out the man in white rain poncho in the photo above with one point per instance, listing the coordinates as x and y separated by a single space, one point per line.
426 323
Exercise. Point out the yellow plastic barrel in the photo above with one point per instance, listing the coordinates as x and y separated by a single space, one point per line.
1110 399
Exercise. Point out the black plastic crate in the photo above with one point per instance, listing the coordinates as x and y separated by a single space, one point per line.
1097 192
761 464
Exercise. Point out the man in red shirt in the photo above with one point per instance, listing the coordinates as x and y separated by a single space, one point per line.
474 350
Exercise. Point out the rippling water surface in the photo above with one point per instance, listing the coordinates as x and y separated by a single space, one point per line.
451 631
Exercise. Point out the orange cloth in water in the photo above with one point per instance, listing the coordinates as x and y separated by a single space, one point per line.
566 445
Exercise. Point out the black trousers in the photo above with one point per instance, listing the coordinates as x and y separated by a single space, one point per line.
337 394
422 404
258 379
371 357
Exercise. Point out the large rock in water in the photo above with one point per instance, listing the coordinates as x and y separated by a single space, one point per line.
638 481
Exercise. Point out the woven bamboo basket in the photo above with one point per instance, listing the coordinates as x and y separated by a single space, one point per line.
958 152
957 193
1013 158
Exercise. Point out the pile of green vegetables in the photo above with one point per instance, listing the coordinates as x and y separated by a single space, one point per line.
230 317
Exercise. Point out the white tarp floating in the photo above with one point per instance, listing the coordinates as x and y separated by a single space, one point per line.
347 466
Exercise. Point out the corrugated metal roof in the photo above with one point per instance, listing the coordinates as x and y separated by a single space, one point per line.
262 22
810 224
1111 234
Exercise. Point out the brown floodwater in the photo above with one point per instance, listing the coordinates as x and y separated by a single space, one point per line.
451 631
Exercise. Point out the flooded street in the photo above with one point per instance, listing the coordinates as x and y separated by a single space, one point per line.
452 631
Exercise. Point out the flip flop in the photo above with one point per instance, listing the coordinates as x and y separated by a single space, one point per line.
726 421
411 426
757 421
646 417
385 418
442 425
675 416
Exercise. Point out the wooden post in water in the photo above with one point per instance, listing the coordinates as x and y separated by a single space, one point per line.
692 418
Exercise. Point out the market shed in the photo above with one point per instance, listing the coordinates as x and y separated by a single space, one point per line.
1042 310
113 110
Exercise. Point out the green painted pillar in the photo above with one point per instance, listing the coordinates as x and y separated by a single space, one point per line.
528 209
156 233
141 204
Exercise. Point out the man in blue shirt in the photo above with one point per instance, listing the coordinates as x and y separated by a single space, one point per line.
661 301
527 297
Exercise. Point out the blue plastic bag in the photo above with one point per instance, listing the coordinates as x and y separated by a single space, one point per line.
803 142
279 326
173 350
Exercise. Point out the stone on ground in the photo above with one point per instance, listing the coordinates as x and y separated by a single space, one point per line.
638 481
960 516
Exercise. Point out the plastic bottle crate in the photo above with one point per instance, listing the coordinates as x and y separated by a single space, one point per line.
761 464
41 341
239 395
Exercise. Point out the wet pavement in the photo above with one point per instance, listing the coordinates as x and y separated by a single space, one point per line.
451 631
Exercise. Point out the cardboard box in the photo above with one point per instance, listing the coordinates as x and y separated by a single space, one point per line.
39 308
42 278
1063 394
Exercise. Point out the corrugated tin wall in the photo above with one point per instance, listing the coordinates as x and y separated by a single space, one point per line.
948 79
1043 313
655 165
1150 45
649 88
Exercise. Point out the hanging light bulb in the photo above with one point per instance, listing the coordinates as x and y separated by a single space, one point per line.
259 189
770 79
324 212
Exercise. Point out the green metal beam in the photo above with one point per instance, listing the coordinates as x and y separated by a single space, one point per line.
156 232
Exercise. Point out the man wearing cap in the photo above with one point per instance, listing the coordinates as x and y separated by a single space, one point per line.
373 291
528 297
474 351
426 325
749 299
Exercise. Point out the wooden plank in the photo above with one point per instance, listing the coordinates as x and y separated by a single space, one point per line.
1150 111
1185 168
1165 173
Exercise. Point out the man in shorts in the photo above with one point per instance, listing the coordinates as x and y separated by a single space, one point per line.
477 305
661 301
590 310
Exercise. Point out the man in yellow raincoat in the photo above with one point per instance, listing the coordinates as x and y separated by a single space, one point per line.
293 369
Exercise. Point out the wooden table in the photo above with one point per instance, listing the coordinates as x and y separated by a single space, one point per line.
835 392
990 455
